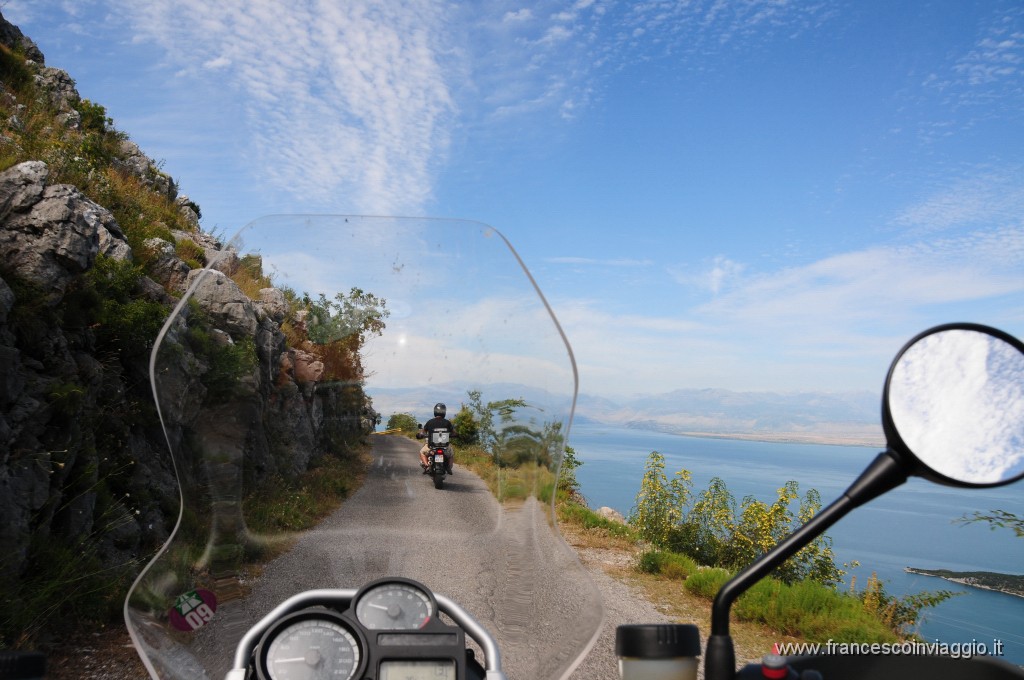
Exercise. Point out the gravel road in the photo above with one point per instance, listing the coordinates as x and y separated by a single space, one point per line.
501 564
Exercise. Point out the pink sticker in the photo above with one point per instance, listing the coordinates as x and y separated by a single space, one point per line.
193 610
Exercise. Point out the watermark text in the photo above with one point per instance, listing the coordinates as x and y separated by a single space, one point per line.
955 650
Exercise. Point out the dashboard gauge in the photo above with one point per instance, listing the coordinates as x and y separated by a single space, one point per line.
311 648
394 605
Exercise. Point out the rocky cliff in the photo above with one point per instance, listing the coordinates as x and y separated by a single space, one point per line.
86 485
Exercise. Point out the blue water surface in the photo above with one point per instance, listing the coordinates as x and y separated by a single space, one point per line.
912 525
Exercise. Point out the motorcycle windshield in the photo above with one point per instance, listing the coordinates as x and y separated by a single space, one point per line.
276 378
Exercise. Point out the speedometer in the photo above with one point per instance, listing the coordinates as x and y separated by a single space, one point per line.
309 647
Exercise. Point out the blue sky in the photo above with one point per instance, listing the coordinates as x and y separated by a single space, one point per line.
755 195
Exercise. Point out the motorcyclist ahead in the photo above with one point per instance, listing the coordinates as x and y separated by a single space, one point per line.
437 423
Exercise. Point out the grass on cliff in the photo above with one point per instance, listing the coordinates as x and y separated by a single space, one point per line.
87 158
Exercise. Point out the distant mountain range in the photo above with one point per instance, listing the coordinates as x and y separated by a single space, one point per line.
826 417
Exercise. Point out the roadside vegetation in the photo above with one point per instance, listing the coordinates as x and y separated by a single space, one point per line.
691 545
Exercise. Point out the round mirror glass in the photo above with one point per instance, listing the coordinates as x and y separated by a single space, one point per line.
956 399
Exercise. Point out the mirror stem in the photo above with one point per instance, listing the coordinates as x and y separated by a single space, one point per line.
885 472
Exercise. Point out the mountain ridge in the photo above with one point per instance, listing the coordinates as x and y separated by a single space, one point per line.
851 417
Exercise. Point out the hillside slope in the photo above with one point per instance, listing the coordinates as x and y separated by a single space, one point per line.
96 246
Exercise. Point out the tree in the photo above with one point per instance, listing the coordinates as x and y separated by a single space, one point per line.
347 316
707 531
337 329
997 519
467 429
815 561
491 439
760 526
660 501
567 476
402 421
712 533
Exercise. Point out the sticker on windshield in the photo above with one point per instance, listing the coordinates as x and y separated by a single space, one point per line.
193 610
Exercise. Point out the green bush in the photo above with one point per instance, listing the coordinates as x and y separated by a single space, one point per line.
94 116
660 502
668 564
67 583
122 322
467 428
707 582
813 611
712 532
13 71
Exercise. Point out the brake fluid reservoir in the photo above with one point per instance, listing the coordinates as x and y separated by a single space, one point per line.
657 651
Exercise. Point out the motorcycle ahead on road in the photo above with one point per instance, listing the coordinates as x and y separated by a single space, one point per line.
361 595
439 455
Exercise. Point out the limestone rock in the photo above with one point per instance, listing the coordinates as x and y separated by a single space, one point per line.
221 297
611 514
50 234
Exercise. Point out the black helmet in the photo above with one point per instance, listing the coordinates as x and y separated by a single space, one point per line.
439 410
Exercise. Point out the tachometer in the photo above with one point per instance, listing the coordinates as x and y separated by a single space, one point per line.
394 605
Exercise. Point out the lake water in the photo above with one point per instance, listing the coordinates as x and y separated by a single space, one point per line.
910 526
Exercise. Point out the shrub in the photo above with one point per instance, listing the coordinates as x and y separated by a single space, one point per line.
567 481
899 614
660 502
94 116
712 533
666 563
13 71
811 610
190 252
467 428
707 582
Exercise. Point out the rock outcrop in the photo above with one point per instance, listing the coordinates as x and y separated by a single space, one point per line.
55 388
83 458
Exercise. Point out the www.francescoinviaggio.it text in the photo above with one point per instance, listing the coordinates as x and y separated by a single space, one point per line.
955 650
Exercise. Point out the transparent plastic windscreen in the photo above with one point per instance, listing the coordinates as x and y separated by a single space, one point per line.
307 334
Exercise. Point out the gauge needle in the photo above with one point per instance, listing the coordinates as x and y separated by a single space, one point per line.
377 606
293 660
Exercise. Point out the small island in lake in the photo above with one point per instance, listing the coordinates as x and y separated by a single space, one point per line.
988 580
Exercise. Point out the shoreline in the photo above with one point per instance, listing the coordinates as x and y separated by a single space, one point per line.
787 438
970 579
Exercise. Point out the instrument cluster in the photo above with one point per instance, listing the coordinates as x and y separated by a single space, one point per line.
390 631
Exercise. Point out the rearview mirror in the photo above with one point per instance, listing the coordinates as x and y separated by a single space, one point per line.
954 403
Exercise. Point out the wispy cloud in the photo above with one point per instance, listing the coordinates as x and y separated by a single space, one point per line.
551 58
986 79
881 282
998 54
597 262
833 323
984 198
717 276
354 106
344 101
